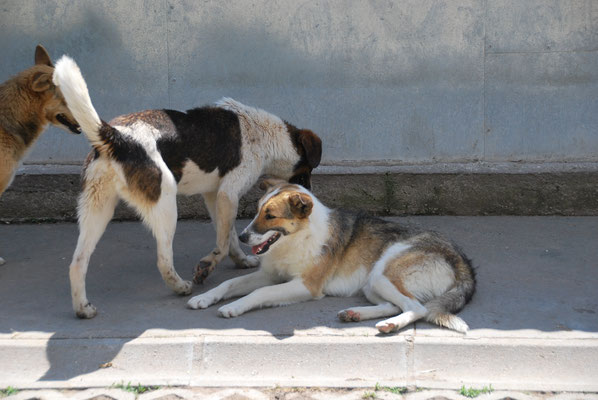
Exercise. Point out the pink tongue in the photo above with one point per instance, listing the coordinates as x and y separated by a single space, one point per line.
257 248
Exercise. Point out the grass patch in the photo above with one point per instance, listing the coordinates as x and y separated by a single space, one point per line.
368 395
139 389
9 391
394 389
471 392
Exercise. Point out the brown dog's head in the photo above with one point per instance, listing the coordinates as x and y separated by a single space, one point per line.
309 148
54 108
282 211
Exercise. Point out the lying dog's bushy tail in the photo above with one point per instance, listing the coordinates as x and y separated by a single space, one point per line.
69 79
442 309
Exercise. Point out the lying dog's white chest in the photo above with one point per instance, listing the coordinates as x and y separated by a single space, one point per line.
346 285
195 180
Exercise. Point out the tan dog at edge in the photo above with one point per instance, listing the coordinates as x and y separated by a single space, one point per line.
29 102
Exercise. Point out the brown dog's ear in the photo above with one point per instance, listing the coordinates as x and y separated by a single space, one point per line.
312 145
268 183
42 57
301 204
41 81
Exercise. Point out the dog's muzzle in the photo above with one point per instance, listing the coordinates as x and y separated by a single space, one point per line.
244 237
75 128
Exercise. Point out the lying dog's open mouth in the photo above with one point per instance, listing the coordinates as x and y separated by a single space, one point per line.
64 121
263 247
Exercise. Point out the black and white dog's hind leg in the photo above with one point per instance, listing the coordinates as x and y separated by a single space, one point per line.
96 208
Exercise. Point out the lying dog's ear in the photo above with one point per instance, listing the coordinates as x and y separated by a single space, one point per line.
41 81
312 145
268 183
301 204
42 57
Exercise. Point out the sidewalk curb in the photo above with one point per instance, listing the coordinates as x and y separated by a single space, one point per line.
297 361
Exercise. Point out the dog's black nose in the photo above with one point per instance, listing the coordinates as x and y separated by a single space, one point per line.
243 237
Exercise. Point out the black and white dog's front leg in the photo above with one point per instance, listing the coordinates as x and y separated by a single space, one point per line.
223 210
290 292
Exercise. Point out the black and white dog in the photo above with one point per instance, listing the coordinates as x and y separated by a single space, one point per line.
146 158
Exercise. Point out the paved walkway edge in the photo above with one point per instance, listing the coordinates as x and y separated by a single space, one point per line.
314 361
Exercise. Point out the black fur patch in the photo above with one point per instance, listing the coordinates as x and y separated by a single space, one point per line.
141 172
309 148
208 136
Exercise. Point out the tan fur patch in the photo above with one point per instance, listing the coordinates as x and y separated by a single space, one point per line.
399 267
29 102
97 187
279 208
315 277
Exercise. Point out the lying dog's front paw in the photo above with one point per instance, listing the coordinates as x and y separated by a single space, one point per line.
230 310
86 311
201 301
202 270
250 262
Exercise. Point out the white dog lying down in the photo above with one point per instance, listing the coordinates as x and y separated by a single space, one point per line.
308 251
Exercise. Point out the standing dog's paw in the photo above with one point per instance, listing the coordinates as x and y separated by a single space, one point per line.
86 312
201 301
202 270
230 310
184 289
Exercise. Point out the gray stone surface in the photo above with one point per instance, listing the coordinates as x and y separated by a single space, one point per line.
533 319
538 101
411 81
541 26
41 195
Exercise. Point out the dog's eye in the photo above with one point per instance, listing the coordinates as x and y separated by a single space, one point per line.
270 216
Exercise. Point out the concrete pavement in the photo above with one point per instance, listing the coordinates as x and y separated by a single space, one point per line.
533 320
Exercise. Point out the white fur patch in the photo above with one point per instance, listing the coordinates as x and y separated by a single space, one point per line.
430 280
267 146
195 180
345 286
68 78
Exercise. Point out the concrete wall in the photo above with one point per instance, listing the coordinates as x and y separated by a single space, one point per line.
408 81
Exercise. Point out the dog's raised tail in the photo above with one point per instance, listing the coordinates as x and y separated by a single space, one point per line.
69 79
442 309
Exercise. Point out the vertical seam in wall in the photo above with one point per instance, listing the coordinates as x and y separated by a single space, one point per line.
484 133
168 52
